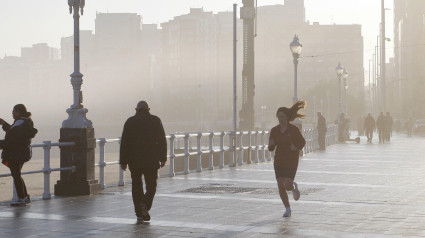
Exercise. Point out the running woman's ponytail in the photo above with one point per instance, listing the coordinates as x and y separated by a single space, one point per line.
292 112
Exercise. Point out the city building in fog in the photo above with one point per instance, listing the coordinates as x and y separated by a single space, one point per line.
184 68
39 54
408 86
323 47
189 47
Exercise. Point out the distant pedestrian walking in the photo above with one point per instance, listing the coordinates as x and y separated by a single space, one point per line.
388 126
288 141
343 128
322 129
369 126
381 125
16 149
409 126
144 150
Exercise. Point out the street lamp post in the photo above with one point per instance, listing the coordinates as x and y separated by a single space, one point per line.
263 117
314 110
345 77
296 48
328 96
339 72
78 129
76 112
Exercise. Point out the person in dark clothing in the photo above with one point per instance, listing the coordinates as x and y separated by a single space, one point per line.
322 128
369 126
342 128
409 126
388 126
144 150
288 141
381 125
16 149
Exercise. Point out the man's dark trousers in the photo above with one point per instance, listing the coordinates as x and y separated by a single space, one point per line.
322 140
369 134
139 196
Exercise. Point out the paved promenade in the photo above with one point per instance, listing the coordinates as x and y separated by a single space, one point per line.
350 190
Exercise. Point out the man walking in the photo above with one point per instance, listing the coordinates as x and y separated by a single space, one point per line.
409 126
388 126
322 128
144 150
381 124
369 126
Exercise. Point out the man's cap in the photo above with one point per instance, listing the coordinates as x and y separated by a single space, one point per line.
142 105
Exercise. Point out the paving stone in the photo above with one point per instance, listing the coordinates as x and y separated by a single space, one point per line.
350 190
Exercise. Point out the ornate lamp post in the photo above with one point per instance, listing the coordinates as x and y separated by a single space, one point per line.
339 72
345 77
328 97
76 112
78 129
314 110
296 48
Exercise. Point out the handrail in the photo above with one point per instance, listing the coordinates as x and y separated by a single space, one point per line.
46 145
240 143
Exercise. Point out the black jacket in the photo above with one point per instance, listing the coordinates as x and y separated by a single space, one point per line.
143 142
284 156
16 143
369 123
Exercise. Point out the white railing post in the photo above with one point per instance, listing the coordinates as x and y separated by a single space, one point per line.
256 147
263 148
231 148
249 159
102 164
211 165
186 153
269 158
47 170
121 172
199 150
172 155
240 154
221 164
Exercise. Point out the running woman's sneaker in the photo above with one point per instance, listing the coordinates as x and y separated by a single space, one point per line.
287 212
296 193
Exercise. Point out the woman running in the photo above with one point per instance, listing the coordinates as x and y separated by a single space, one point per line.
288 141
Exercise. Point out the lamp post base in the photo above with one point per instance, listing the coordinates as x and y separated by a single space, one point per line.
81 155
77 119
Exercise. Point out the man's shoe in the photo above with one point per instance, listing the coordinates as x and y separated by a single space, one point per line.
19 202
145 214
296 193
27 199
139 218
287 212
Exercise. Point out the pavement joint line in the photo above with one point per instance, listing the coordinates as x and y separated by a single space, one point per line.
302 183
129 221
353 160
324 172
278 201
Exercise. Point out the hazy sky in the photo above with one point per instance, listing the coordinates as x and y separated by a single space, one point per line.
26 22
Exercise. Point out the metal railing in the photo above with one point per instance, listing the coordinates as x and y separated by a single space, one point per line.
46 145
236 144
